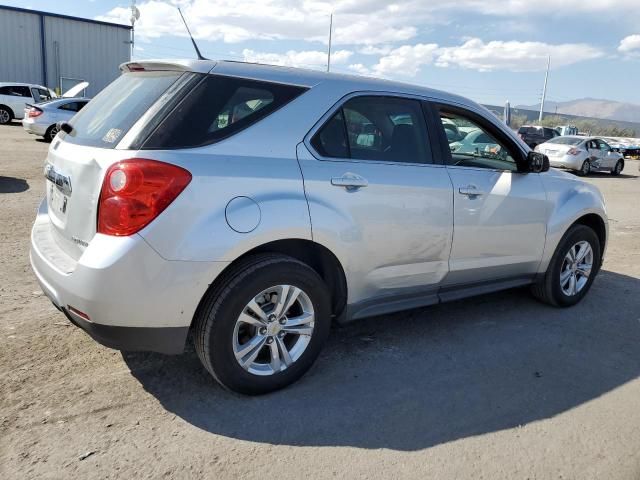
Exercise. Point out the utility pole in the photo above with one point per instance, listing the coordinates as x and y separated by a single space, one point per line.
544 89
135 15
329 51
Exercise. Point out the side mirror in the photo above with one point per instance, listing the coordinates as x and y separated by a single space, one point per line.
537 162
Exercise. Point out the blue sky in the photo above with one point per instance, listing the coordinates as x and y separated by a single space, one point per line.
488 50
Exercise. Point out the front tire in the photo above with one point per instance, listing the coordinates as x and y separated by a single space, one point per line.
262 326
572 269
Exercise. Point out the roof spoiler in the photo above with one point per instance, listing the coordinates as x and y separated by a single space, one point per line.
198 66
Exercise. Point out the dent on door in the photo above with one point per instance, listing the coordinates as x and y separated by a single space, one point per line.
499 225
390 225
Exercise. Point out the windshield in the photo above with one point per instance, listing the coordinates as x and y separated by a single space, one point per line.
566 140
110 115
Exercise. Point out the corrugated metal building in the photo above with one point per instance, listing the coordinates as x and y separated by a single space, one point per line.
59 51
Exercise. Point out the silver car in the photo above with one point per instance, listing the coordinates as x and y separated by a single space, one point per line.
42 118
582 155
254 205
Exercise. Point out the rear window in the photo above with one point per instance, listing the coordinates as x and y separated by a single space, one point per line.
110 115
217 108
566 140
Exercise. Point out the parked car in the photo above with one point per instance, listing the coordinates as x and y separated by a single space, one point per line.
567 130
245 203
42 118
476 141
534 135
582 155
15 96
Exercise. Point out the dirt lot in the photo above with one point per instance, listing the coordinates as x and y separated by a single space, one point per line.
494 387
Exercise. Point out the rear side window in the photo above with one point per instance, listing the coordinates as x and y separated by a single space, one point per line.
217 108
16 91
110 115
376 128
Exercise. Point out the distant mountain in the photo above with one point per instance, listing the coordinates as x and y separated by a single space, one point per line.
592 107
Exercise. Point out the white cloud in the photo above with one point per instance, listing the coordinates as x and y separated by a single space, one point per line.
630 44
360 69
367 22
513 55
292 58
405 60
475 54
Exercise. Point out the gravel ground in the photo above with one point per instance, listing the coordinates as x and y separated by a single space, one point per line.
493 387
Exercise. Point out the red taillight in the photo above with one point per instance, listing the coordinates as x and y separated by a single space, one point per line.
573 151
136 191
34 112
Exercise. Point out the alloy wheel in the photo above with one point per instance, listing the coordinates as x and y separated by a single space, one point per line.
273 330
576 268
4 117
586 168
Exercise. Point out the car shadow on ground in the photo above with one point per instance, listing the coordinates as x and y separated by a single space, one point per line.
413 380
622 176
13 185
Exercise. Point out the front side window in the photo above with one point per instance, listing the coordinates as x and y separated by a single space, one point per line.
376 128
604 146
479 148
40 95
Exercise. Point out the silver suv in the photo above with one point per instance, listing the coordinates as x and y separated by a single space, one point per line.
253 205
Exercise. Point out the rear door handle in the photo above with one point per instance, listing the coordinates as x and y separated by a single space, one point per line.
350 181
471 191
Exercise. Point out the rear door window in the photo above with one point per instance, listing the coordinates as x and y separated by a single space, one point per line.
218 108
388 129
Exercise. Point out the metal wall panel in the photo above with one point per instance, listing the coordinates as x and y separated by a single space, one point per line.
84 51
73 49
20 47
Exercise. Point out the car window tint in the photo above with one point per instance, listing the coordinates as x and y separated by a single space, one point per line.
487 153
71 106
44 95
15 91
331 140
386 129
218 108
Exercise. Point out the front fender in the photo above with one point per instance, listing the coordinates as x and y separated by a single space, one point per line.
568 200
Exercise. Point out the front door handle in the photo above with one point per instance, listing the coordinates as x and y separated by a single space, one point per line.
350 181
471 191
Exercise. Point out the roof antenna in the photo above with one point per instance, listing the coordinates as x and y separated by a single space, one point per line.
200 57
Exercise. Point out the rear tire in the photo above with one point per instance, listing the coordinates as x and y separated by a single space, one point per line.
6 115
585 169
222 332
51 133
617 170
552 289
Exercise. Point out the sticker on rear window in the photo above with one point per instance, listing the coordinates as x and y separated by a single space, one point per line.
112 135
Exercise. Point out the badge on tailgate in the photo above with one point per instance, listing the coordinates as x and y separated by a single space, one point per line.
61 181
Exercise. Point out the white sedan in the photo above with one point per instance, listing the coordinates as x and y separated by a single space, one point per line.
582 154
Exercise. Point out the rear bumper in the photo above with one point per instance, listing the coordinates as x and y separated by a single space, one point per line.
167 340
31 127
132 298
563 162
